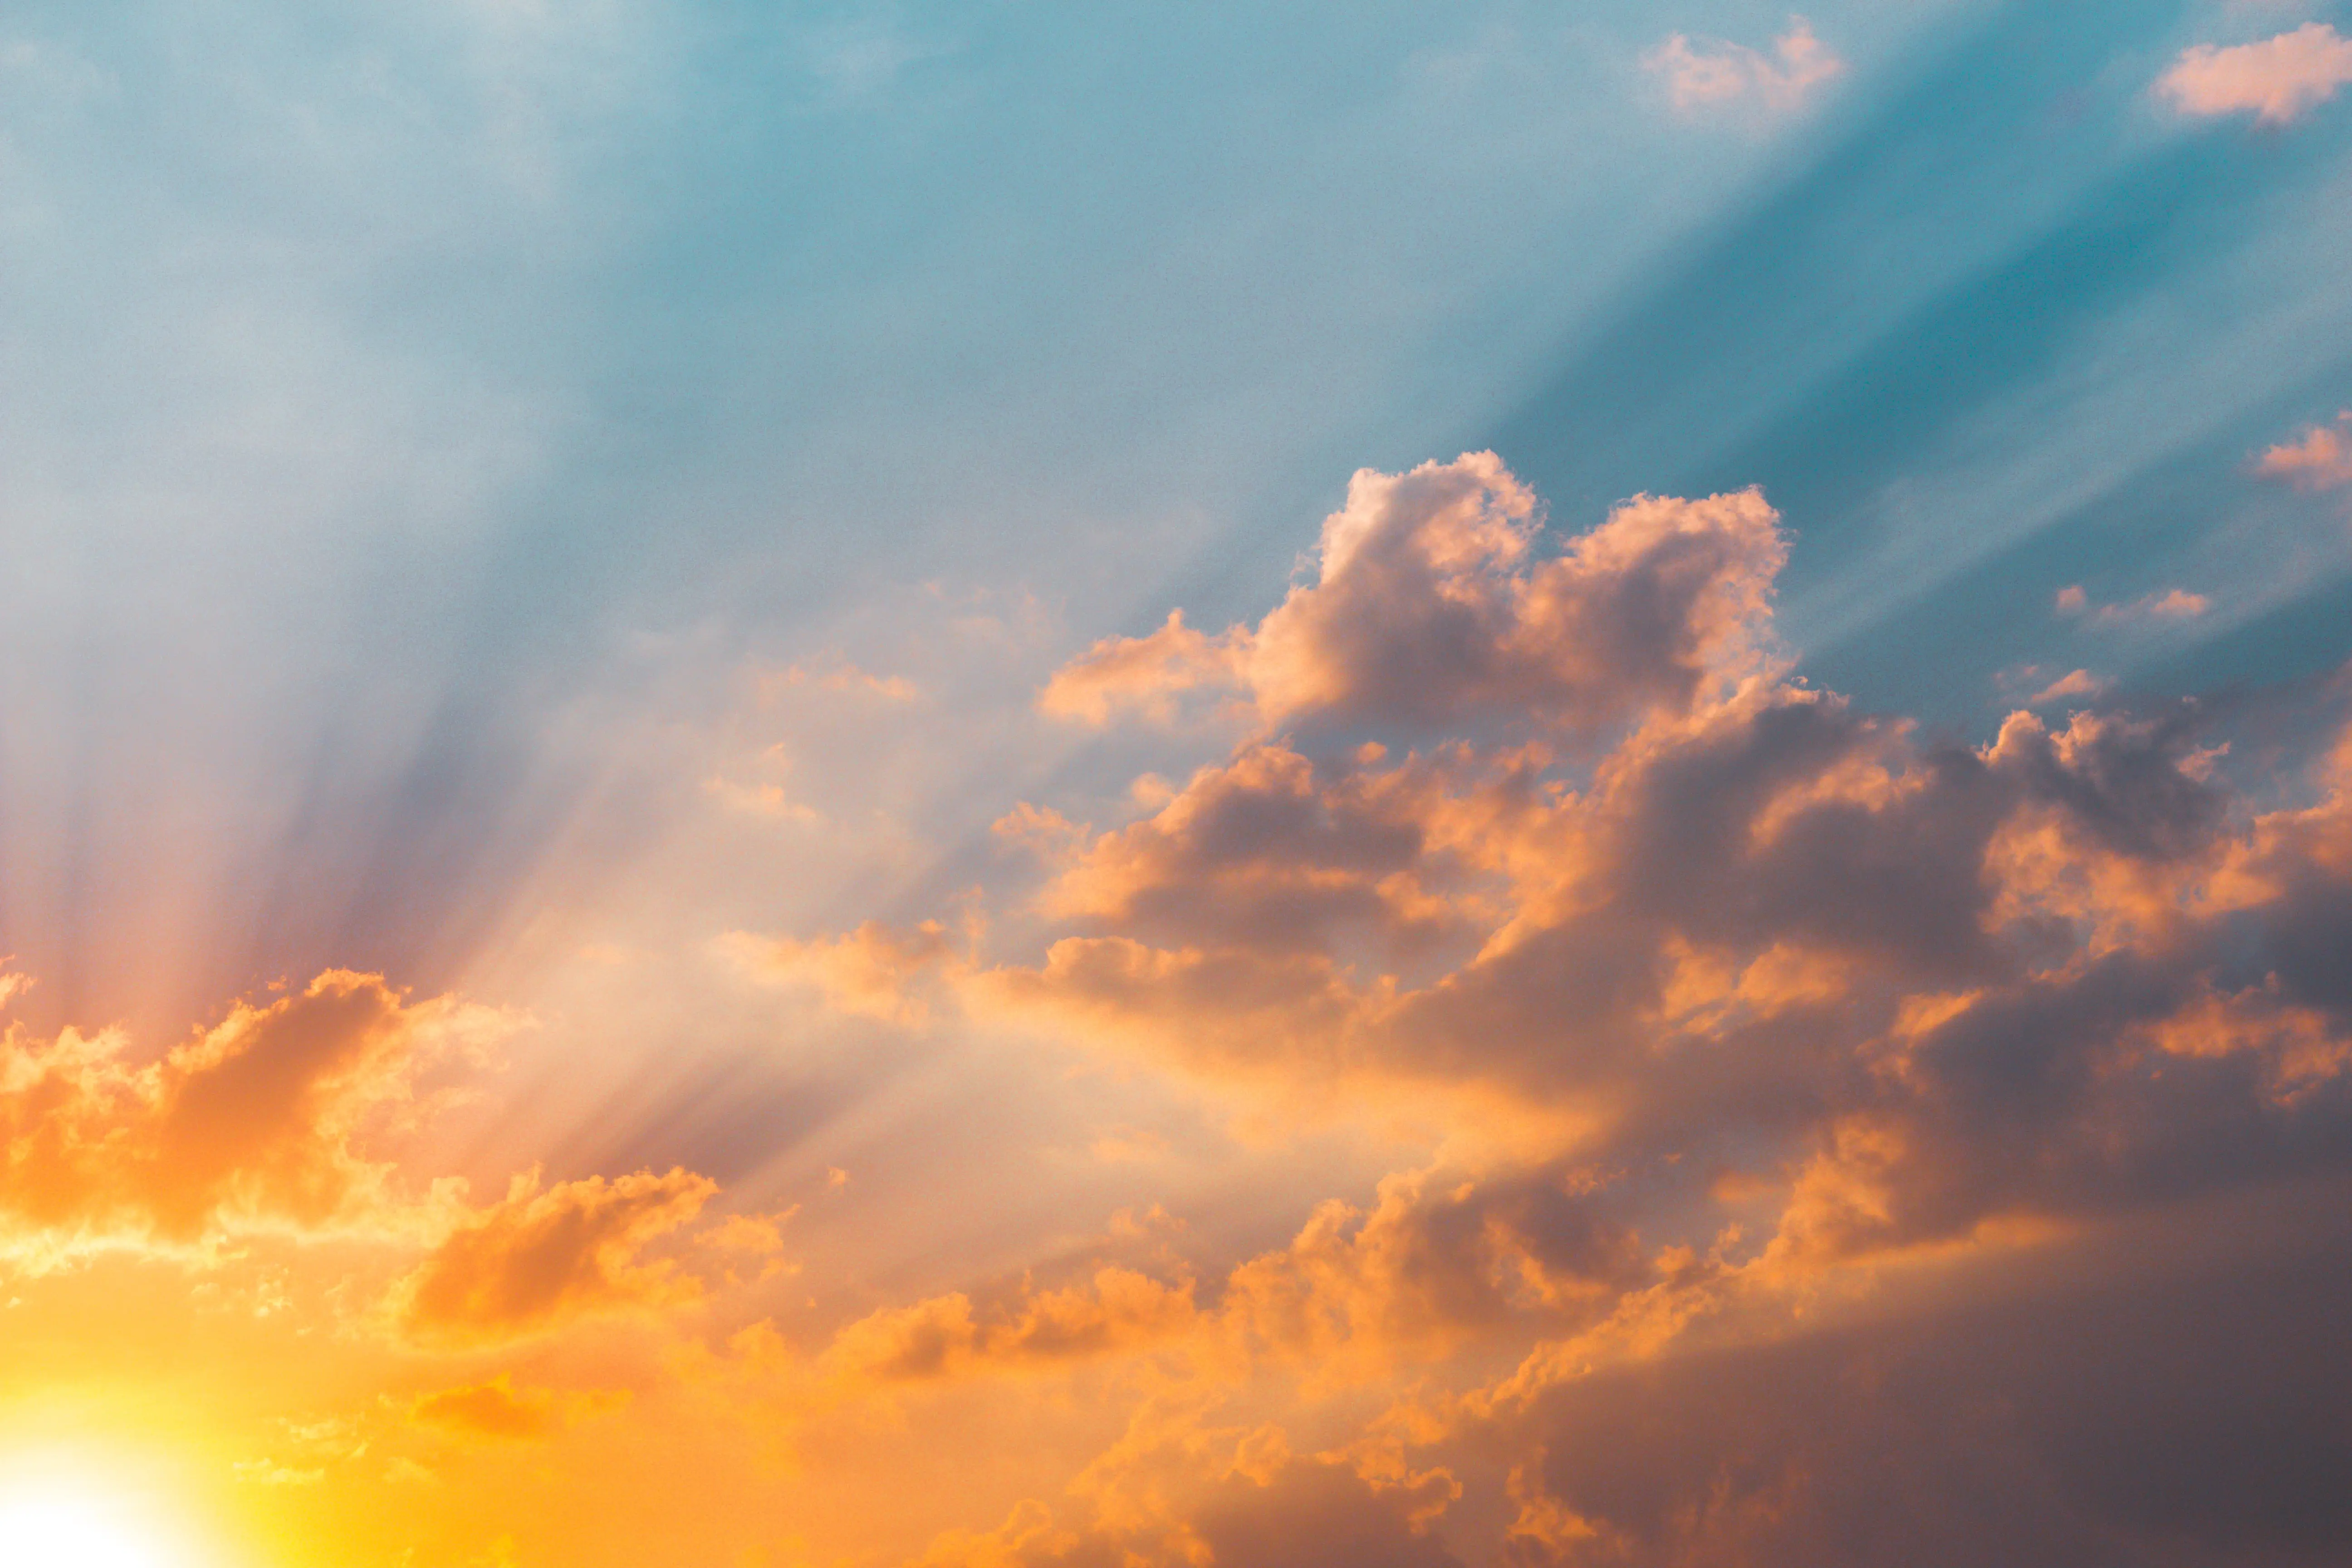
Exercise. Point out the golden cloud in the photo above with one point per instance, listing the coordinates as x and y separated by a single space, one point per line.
258 1123
543 1258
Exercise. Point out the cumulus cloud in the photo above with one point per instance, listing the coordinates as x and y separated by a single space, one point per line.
1949 984
1712 72
2321 460
541 1259
1431 1266
1742 996
1433 605
261 1122
2276 80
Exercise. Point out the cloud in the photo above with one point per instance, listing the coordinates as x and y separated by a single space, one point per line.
2277 80
942 1338
1714 73
1150 674
1747 1019
541 1259
259 1122
1440 1260
497 1409
2073 683
1299 1513
1757 919
2322 460
2088 1399
2172 604
1431 604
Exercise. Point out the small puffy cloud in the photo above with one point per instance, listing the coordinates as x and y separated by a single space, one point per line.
2172 604
498 1409
1150 674
2321 460
2275 80
258 1123
2079 683
1712 72
541 1259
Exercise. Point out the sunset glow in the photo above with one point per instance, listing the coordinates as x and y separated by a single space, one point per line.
936 784
77 1531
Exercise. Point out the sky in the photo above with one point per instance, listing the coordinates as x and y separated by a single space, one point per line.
988 785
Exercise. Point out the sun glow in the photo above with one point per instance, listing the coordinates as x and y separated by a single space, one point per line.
70 1530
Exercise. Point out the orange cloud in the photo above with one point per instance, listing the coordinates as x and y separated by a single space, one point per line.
2322 460
539 1260
1431 606
870 970
1547 854
2276 80
1754 918
2074 683
1429 1267
260 1122
498 1409
1149 674
941 1337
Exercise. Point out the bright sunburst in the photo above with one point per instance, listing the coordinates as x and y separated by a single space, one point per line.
67 1531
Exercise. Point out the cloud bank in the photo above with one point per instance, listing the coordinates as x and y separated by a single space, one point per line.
1743 996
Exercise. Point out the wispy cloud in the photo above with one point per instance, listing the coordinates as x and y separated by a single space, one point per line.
2079 683
2275 80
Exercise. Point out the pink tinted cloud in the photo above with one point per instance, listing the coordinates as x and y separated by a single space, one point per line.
1714 73
2321 460
2076 683
1433 605
2172 604
2276 80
